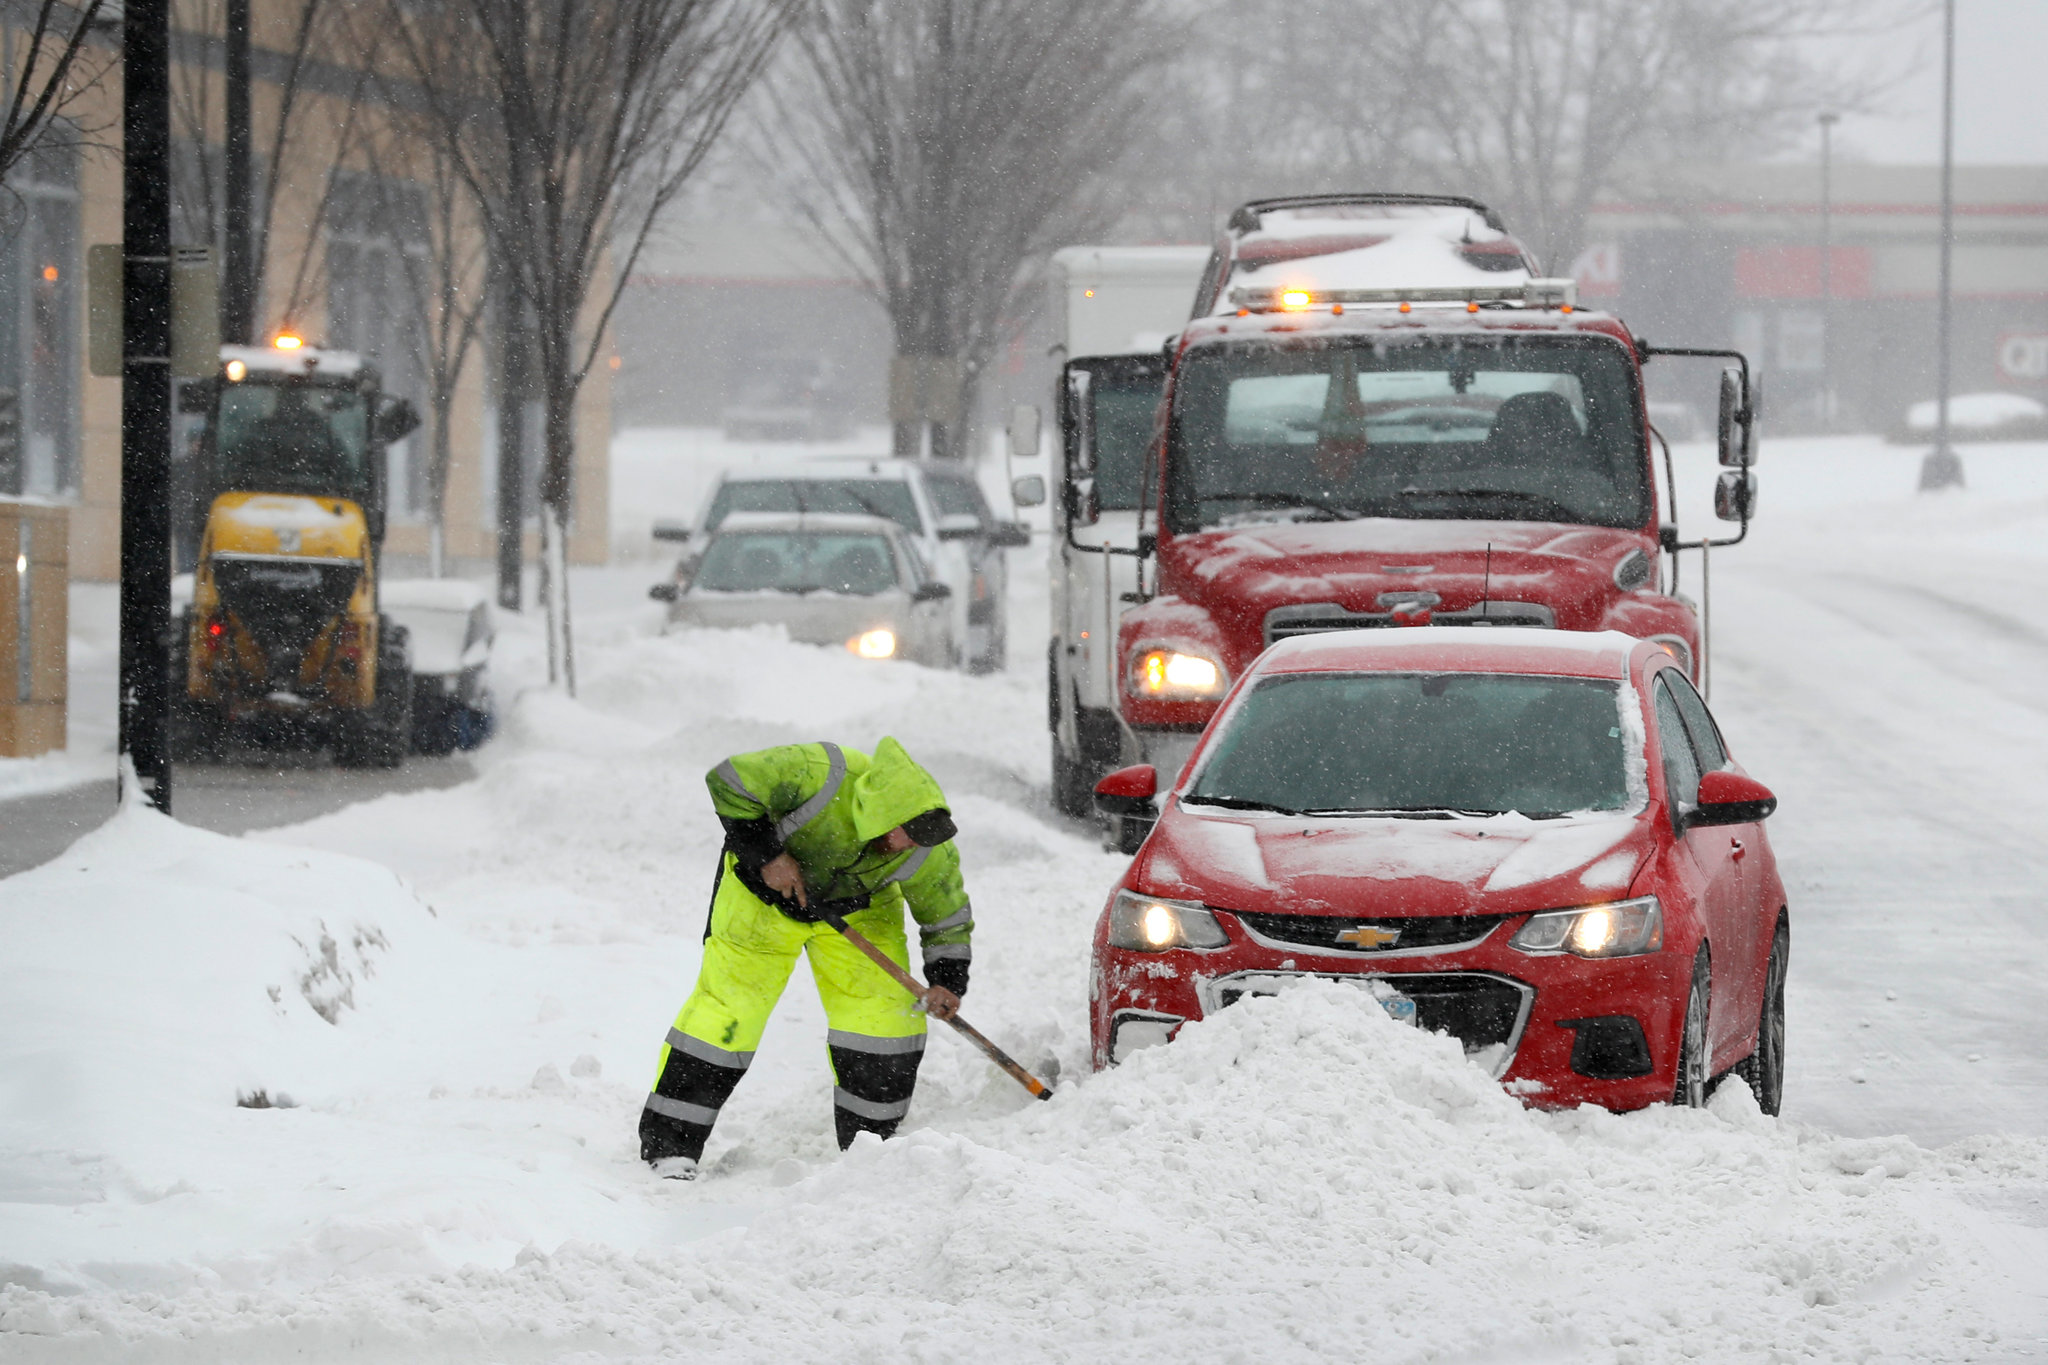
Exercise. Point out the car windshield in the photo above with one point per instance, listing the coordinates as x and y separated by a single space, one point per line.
292 438
859 497
1421 743
797 561
1470 427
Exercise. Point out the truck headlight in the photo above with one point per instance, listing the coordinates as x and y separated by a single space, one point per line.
1619 929
879 643
1151 925
1171 674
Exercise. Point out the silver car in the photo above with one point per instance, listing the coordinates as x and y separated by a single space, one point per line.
829 579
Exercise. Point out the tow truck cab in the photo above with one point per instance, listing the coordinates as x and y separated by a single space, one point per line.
1380 416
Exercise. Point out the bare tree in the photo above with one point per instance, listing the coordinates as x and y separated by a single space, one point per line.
574 123
47 64
1539 106
949 145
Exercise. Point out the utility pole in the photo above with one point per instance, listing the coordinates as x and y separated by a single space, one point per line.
146 396
1943 468
238 266
1827 271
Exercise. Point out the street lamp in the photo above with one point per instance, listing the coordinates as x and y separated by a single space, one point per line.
1827 271
1943 468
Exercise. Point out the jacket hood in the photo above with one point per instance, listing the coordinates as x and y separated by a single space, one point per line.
893 789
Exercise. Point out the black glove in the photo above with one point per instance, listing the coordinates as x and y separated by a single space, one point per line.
949 972
752 843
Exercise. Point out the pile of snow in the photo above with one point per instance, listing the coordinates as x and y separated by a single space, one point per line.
1981 416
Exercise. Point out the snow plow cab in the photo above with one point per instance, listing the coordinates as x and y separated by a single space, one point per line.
283 640
1381 416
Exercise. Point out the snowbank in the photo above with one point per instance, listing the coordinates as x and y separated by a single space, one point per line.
1980 416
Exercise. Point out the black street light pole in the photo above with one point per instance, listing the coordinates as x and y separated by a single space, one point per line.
238 274
1827 271
146 396
1943 468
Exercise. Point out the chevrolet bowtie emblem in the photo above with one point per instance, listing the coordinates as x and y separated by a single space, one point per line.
1368 936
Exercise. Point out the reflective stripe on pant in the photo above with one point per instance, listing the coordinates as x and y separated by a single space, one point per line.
878 1033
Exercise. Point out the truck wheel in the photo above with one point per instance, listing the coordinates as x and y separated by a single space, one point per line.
195 733
1072 794
381 736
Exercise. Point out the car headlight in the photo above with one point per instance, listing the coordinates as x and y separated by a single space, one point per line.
1620 929
1150 925
1170 674
879 643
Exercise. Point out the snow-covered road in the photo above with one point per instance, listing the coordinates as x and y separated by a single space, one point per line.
456 1179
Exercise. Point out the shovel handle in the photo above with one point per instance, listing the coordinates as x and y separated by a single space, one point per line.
966 1030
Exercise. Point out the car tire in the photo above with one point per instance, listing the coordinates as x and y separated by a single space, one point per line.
1689 1090
1763 1071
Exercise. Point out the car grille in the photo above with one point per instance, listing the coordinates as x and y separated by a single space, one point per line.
1317 618
1479 1009
1321 932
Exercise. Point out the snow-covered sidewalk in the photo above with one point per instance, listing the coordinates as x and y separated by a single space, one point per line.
462 994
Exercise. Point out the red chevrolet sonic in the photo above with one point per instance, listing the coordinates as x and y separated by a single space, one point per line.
1533 840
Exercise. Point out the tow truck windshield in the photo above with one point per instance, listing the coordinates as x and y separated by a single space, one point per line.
292 438
1509 428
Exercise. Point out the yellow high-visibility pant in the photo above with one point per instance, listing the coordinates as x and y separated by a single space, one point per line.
876 1036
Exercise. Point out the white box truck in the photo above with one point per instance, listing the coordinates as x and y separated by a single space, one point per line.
1116 307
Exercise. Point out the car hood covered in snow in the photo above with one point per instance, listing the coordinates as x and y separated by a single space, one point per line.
1359 564
1376 865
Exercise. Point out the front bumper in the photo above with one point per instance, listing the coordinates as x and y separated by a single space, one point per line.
1520 1016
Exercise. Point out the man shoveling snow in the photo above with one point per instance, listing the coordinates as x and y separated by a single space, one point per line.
817 837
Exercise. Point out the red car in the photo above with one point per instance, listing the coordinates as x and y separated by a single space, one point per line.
1533 840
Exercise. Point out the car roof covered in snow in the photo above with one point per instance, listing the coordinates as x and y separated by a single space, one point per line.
1457 649
841 523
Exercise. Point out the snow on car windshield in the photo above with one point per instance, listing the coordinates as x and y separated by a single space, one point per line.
1501 428
1483 743
796 561
888 498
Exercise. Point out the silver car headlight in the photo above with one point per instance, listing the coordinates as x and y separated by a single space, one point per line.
1618 929
1148 924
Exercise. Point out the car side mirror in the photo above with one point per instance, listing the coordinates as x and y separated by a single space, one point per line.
1128 791
931 592
958 526
1009 535
663 592
1023 432
1735 495
396 420
1731 798
1028 491
671 530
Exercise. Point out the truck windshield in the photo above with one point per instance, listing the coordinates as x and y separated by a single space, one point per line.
292 438
1471 427
796 561
1421 744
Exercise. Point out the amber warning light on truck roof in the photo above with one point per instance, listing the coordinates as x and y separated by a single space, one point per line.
288 342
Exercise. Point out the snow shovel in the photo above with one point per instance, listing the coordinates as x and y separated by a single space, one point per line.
911 984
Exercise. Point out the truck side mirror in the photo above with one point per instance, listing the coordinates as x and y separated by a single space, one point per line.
663 592
1023 432
396 420
958 526
1735 431
1735 495
1028 491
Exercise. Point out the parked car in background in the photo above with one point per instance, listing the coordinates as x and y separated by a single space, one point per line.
938 508
1533 840
450 623
827 578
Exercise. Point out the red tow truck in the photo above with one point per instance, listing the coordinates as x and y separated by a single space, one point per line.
1380 416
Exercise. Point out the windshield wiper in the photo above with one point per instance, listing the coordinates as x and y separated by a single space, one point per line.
1407 812
1549 504
1286 500
1241 803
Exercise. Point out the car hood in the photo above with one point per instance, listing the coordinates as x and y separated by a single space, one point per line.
814 618
1355 562
1504 864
